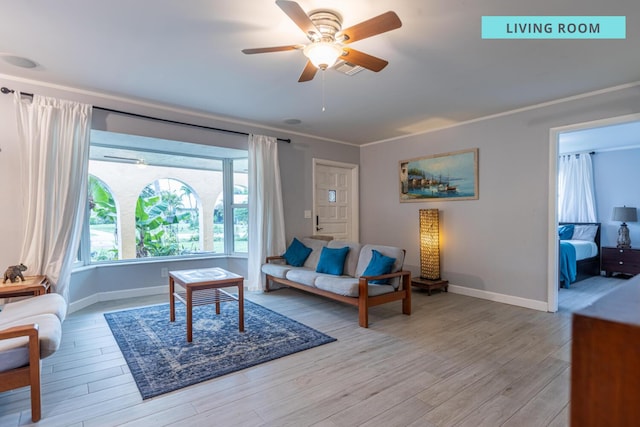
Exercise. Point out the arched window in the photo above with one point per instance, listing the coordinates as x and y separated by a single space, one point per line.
103 222
167 220
177 199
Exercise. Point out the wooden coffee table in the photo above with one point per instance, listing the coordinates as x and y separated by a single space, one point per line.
203 286
32 286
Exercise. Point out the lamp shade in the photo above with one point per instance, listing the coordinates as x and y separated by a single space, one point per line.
429 244
625 214
323 54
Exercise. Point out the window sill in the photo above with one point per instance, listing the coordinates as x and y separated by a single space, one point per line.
168 260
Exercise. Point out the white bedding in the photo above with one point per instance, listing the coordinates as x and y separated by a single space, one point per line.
584 249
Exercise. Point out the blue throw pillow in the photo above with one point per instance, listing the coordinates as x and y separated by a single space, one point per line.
566 231
332 260
297 253
379 264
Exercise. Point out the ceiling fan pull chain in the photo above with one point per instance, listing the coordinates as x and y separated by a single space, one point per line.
323 109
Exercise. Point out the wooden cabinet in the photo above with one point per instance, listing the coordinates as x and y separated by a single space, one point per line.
617 260
605 360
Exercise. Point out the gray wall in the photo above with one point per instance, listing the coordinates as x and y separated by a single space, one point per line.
616 176
297 179
295 164
497 244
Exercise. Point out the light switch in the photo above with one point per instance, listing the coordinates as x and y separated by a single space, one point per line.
307 214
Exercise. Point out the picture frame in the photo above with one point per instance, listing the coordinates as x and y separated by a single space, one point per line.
448 176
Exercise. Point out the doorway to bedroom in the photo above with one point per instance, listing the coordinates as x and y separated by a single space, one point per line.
614 145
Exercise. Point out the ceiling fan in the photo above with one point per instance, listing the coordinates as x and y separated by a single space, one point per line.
324 29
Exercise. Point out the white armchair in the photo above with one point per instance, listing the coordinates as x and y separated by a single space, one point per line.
30 330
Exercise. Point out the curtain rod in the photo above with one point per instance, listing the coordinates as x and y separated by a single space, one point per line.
577 153
6 90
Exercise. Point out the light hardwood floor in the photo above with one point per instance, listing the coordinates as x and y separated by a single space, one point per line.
456 361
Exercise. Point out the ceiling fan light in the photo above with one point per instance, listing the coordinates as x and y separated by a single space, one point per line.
323 54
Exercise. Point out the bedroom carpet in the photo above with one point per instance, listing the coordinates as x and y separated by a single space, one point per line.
161 360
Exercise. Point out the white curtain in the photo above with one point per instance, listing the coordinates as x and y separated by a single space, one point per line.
576 195
54 156
266 216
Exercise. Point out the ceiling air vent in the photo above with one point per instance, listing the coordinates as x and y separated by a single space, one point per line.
347 68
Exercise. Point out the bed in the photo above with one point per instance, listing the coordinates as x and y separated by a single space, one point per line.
579 251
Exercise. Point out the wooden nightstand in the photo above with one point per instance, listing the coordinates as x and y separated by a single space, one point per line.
429 285
618 260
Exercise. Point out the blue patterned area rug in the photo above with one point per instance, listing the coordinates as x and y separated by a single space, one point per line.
161 360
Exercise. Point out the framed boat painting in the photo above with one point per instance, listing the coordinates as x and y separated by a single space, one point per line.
449 176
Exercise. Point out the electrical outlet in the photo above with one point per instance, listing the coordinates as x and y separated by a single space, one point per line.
164 272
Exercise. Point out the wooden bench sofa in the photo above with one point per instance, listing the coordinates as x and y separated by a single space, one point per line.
352 286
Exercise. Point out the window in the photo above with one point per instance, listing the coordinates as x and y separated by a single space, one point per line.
240 206
150 197
238 227
103 221
167 220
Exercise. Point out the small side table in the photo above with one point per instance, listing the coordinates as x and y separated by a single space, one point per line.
204 286
429 285
32 286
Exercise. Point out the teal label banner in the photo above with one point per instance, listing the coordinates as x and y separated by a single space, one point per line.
554 27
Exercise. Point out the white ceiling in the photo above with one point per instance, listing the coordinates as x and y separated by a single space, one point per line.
187 54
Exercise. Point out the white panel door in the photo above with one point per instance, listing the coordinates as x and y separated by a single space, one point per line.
334 200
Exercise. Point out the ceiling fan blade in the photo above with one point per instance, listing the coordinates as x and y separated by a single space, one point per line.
270 49
363 59
300 17
308 73
371 27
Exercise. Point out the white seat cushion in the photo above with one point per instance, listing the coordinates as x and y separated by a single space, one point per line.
348 286
47 303
276 270
303 275
14 352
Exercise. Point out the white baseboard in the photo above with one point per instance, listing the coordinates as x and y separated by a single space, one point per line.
156 290
506 299
114 295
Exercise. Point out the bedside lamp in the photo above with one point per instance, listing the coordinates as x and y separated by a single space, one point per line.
625 215
429 244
